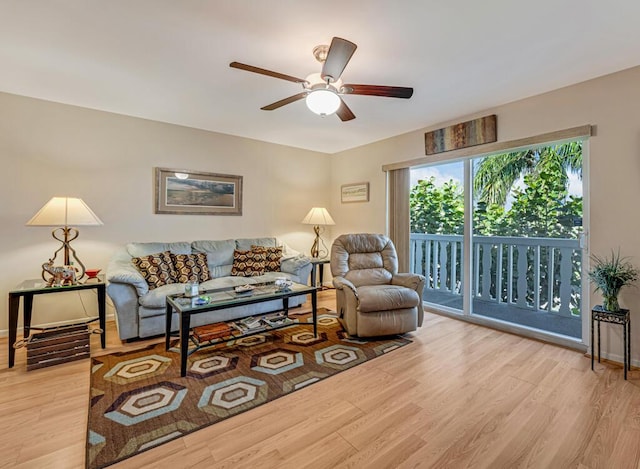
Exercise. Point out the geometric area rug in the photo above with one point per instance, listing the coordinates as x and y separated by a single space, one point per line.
139 401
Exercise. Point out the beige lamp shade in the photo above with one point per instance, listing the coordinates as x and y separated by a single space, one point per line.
318 216
65 211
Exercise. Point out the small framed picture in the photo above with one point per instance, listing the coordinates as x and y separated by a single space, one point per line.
180 191
357 192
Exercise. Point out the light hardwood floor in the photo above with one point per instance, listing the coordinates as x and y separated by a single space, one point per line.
460 396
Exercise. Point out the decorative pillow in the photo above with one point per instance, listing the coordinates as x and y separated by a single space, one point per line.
191 267
156 269
273 257
248 263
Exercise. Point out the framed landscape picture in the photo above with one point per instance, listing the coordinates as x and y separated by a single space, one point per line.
358 192
180 191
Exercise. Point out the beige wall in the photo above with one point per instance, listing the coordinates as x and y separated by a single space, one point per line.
49 149
610 103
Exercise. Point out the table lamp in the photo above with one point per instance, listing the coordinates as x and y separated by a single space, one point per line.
318 216
64 213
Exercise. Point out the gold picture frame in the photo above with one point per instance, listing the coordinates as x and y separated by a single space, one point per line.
185 192
356 192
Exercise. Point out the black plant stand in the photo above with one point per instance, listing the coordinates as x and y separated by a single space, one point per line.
622 317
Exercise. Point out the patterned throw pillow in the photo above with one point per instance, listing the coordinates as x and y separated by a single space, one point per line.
248 263
191 267
157 269
273 257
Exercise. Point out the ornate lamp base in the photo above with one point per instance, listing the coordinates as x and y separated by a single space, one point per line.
65 235
318 249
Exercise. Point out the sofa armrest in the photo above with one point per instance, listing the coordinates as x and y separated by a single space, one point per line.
125 302
294 265
119 271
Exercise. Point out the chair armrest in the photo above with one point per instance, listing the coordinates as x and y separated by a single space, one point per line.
341 283
413 281
347 303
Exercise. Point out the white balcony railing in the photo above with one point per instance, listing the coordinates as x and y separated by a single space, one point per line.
530 273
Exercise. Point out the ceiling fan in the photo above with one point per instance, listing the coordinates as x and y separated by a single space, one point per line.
323 91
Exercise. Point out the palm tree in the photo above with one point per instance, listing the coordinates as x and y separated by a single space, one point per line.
496 174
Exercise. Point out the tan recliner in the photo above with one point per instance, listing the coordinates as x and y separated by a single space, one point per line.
372 298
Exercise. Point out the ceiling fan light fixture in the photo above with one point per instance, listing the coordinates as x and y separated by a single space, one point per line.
323 102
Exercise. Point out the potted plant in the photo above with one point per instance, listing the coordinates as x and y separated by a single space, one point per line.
609 275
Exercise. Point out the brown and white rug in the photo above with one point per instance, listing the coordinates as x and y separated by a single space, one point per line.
139 401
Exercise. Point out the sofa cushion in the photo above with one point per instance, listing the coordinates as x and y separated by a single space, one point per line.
248 263
144 249
244 244
219 255
157 269
273 257
224 282
191 267
156 299
375 298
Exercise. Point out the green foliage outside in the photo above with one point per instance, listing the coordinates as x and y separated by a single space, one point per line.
437 210
542 208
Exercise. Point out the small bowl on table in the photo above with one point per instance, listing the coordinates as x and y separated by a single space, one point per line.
92 273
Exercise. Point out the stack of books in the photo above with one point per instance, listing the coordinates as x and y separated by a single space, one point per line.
250 324
277 320
212 331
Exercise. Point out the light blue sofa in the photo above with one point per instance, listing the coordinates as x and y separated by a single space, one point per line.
140 312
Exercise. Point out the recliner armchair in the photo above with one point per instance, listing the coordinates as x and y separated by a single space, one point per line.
372 298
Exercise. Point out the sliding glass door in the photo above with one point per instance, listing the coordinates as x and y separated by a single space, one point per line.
524 228
527 226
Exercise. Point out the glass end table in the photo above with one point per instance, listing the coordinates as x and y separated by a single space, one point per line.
29 288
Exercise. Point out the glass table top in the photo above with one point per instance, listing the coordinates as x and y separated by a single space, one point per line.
36 285
229 296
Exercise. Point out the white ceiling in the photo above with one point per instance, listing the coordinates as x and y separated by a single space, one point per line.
168 60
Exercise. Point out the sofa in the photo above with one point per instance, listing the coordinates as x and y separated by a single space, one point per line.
140 306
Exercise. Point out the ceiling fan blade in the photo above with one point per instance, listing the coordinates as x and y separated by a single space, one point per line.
377 90
284 101
338 57
264 71
344 113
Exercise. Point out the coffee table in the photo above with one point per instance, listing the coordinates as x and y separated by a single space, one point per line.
222 298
